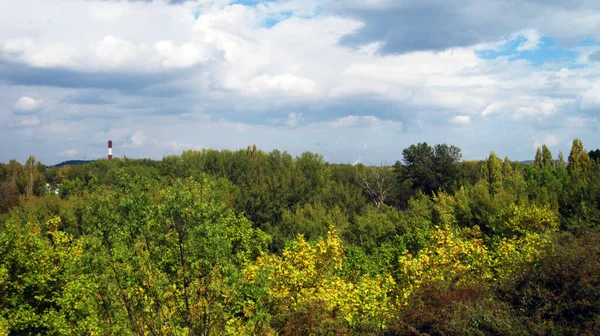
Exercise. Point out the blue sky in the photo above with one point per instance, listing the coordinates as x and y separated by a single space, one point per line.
547 51
357 81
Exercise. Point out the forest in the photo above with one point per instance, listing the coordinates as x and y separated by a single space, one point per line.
250 242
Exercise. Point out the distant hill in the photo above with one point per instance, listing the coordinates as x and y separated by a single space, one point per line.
72 163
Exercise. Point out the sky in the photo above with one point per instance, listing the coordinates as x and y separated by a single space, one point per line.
356 80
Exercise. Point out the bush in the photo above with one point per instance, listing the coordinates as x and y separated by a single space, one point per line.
560 292
451 308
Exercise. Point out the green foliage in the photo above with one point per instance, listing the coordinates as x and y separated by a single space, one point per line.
42 291
579 159
375 227
547 156
430 169
594 155
450 308
307 296
561 160
311 220
559 293
9 196
538 157
244 243
494 173
469 172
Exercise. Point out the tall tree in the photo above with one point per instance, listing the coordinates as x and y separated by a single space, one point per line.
376 182
30 171
445 160
547 156
418 167
561 160
494 169
9 196
430 169
595 155
578 158
507 169
538 157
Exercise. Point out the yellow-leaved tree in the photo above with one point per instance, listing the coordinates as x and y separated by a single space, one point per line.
308 294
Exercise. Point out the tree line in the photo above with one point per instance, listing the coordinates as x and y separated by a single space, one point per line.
250 242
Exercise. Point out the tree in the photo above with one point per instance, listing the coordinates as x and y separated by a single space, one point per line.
578 158
376 182
538 157
35 182
546 156
494 170
561 160
9 196
430 169
445 160
507 169
418 167
595 155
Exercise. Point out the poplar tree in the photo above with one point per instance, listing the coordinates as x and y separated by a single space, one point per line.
561 160
546 156
538 157
494 168
30 169
507 169
579 159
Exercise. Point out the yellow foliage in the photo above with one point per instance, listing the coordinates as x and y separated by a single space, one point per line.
509 253
531 218
307 275
460 254
444 206
450 256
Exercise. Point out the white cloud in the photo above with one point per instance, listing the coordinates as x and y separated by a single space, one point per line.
228 64
31 52
532 40
540 109
30 121
108 11
288 84
60 128
114 51
68 153
172 56
55 55
461 119
137 139
26 105
492 109
548 140
352 121
17 46
293 119
181 146
591 98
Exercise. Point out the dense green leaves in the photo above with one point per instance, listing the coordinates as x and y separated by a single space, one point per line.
254 243
430 169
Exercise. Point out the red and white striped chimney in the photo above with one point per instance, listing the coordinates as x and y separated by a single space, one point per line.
109 150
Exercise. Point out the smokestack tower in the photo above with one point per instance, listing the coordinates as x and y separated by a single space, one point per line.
109 150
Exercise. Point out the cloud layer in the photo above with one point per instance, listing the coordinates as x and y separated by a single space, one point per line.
159 77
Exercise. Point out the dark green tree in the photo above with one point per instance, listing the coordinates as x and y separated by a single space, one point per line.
494 170
561 160
430 169
538 158
595 155
579 159
547 156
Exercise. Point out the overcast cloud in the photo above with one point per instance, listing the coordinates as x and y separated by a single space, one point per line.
352 80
